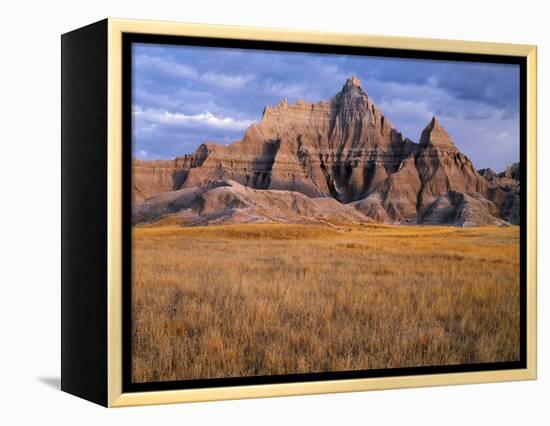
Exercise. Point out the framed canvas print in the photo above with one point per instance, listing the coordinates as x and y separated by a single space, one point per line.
250 212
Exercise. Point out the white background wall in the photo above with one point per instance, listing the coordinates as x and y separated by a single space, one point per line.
30 211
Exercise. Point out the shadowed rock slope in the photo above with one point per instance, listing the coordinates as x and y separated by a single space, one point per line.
342 154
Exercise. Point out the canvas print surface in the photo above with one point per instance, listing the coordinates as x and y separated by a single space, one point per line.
302 213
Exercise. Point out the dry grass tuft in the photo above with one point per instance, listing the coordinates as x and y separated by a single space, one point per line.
241 300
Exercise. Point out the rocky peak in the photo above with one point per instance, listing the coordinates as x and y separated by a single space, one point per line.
488 173
511 172
434 135
353 87
352 82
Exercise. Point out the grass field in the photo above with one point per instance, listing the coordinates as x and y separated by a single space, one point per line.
242 300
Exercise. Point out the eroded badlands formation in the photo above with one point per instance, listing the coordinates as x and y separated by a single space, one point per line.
336 161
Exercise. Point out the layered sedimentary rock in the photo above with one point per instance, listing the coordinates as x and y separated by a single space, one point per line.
504 191
155 177
344 150
435 184
341 148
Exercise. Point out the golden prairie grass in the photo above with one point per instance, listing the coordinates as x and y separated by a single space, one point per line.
242 300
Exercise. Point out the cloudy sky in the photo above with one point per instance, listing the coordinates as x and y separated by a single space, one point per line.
184 96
